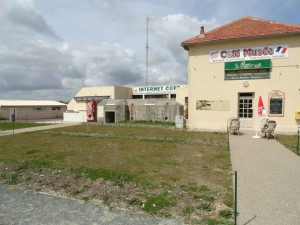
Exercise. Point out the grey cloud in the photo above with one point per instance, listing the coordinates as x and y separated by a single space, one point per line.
35 66
171 30
167 59
40 67
21 17
110 64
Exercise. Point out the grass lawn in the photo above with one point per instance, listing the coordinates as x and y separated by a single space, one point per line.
17 125
165 172
289 141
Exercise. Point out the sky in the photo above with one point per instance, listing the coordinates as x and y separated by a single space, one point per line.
50 49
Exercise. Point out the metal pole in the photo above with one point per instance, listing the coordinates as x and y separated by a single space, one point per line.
13 119
235 197
298 143
228 136
147 49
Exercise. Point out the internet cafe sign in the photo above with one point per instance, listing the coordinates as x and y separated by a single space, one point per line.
155 89
238 54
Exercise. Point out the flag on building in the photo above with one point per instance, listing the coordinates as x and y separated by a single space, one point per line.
261 108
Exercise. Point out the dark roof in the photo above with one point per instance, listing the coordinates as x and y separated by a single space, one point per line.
245 27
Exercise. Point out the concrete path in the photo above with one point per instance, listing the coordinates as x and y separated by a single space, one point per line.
31 129
268 181
23 207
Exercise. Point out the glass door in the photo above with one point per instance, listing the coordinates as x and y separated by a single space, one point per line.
245 110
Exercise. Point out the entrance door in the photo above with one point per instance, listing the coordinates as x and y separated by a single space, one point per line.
245 110
110 117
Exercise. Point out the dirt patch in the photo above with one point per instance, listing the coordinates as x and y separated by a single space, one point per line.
192 203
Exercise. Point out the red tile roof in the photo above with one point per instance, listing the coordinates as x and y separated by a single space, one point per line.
245 27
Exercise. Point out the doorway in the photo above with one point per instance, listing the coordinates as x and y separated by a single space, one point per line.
110 117
246 109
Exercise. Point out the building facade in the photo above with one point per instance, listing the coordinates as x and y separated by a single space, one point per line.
231 67
112 104
31 110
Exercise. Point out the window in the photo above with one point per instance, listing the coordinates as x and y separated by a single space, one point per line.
56 108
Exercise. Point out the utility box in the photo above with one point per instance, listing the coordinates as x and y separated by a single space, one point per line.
179 121
12 114
12 117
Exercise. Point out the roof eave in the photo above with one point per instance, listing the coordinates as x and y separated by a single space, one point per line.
186 46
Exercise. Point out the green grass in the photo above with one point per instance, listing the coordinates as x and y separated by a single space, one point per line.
289 141
155 203
148 123
17 125
212 221
179 171
95 174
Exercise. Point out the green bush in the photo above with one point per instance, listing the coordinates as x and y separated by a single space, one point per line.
226 213
154 204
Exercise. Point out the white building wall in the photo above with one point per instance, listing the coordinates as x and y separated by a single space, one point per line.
206 82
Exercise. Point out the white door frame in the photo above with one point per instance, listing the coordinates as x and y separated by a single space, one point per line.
245 109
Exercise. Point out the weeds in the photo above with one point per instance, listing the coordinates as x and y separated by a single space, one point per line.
164 172
226 213
188 210
135 201
205 206
156 203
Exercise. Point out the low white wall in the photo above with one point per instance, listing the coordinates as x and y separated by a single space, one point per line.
75 117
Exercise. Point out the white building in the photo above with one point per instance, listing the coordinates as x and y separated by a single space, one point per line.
110 104
31 109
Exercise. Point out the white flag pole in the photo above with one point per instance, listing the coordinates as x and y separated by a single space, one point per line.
260 107
256 135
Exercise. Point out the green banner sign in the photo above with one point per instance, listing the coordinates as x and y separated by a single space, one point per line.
248 65
247 74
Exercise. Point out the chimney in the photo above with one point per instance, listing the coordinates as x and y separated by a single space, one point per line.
202 35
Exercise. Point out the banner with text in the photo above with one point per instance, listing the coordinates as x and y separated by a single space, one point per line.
155 89
238 54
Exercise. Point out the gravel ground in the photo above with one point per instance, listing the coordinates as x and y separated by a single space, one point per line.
268 181
23 207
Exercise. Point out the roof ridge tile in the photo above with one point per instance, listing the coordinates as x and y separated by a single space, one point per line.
245 27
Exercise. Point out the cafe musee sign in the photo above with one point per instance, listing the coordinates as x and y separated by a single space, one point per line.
251 53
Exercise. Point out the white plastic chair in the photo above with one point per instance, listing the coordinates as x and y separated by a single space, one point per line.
234 126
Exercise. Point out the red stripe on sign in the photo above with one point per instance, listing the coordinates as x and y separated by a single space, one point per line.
283 50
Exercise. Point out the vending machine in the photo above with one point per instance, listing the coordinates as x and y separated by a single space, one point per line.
91 110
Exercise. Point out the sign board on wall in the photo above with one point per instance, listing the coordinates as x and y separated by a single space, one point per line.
247 69
213 105
276 103
247 74
251 53
248 65
155 89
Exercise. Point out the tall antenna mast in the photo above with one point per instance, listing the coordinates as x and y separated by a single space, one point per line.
147 48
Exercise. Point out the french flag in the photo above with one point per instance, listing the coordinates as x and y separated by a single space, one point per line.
281 50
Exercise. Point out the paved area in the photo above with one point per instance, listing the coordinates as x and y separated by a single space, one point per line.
31 129
268 181
23 207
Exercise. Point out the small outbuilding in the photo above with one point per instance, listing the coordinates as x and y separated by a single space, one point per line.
31 110
111 104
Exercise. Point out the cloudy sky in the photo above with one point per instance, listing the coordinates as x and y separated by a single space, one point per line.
49 49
